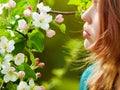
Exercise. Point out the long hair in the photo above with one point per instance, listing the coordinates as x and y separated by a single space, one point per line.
107 47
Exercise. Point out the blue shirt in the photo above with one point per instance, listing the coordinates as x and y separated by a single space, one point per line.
85 77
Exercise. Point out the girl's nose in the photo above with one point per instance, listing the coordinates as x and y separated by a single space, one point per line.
86 17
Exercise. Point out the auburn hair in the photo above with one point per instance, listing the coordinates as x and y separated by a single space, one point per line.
107 47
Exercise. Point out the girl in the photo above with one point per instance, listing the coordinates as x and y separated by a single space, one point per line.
102 37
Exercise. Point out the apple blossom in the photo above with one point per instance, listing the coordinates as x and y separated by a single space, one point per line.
27 13
8 57
10 74
23 86
50 33
41 20
5 45
19 58
11 4
39 88
21 74
59 18
1 8
22 24
43 8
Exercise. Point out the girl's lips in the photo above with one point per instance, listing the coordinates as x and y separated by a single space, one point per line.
86 34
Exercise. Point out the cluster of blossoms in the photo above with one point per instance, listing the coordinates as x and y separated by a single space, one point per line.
11 4
9 71
10 63
42 19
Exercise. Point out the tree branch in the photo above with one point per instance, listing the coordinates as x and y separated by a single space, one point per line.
63 13
24 35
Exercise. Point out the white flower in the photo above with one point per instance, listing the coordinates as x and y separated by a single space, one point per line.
22 24
19 59
10 74
1 8
34 87
8 57
17 16
31 83
41 20
6 46
23 86
43 8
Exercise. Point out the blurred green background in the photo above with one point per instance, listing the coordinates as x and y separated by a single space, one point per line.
63 51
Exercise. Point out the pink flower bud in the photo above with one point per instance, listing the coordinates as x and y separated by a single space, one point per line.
30 8
11 4
42 88
59 18
37 61
22 24
42 64
27 13
21 74
50 33
38 75
39 88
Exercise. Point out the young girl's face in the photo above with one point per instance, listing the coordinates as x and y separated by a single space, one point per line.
91 26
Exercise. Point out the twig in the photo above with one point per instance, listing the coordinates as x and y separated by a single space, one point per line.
24 35
64 13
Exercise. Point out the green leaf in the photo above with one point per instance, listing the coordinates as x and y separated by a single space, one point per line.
33 3
4 1
63 28
74 2
19 45
31 56
29 73
50 2
37 40
1 81
59 72
10 86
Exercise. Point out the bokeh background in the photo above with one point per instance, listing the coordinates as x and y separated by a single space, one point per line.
63 53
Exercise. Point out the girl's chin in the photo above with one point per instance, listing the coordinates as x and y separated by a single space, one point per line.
87 44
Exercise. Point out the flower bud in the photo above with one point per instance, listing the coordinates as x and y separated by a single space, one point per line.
50 33
21 74
11 4
59 18
38 75
30 8
27 13
42 88
22 24
42 64
37 61
39 88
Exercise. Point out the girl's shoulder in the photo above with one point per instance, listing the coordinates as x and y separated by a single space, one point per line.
84 78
